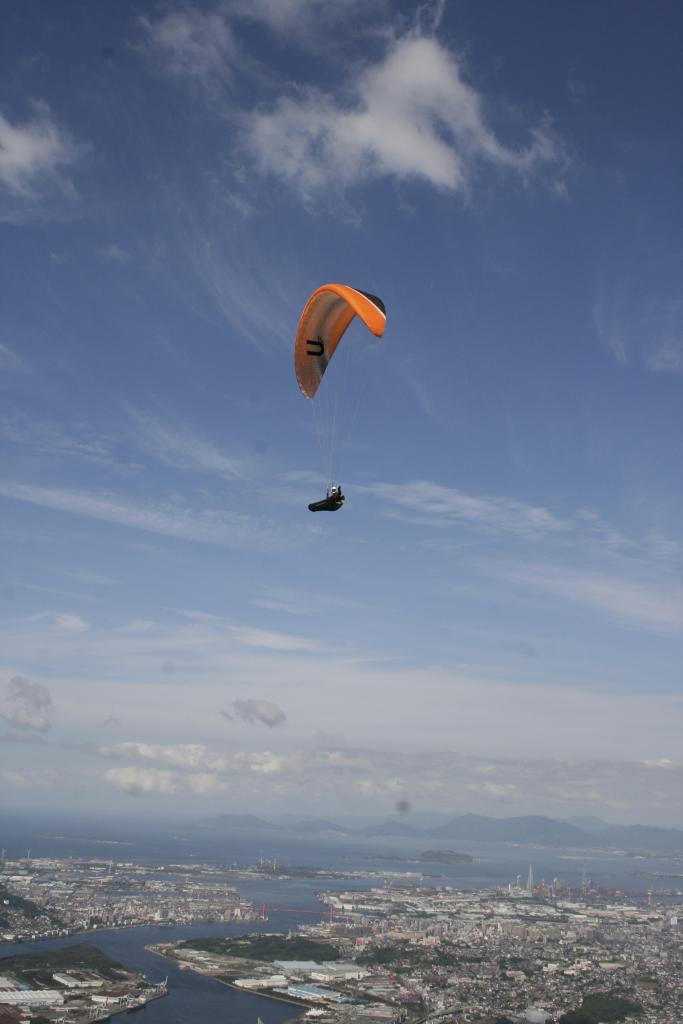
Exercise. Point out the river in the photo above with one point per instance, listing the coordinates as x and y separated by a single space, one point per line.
192 998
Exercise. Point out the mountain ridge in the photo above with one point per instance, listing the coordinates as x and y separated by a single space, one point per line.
531 828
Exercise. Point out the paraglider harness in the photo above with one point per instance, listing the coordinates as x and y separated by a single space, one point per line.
332 503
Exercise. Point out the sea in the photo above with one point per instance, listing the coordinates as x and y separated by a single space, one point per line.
194 999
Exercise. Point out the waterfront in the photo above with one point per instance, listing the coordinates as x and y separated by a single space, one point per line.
191 997
187 843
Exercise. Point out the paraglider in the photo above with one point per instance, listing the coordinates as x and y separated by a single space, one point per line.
332 503
323 323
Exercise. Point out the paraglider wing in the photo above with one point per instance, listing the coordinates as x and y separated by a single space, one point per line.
325 318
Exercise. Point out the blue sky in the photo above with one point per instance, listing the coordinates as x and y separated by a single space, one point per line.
493 622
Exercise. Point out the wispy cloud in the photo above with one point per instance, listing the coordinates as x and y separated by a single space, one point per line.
305 603
181 448
48 437
9 360
662 323
96 578
115 253
196 44
284 15
74 623
202 45
638 308
33 153
209 526
174 445
650 606
412 116
439 779
66 621
250 636
39 779
424 501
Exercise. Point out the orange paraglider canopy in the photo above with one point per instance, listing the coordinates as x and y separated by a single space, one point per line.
325 318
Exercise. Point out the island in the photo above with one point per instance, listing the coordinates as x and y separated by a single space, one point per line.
445 857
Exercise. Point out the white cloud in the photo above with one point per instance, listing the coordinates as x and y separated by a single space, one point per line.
229 275
204 784
411 116
662 325
638 307
650 606
201 45
47 437
115 253
190 757
496 790
415 708
171 444
96 578
194 43
250 636
34 778
13 779
141 780
32 154
265 762
286 15
9 360
438 779
668 357
74 623
30 718
179 447
167 518
444 506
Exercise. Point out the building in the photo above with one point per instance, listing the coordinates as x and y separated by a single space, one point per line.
31 997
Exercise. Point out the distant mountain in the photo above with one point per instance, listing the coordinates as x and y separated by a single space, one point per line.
639 838
580 832
588 822
391 828
528 829
549 832
244 821
420 819
314 826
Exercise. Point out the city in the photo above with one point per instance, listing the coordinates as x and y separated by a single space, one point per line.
47 897
524 952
